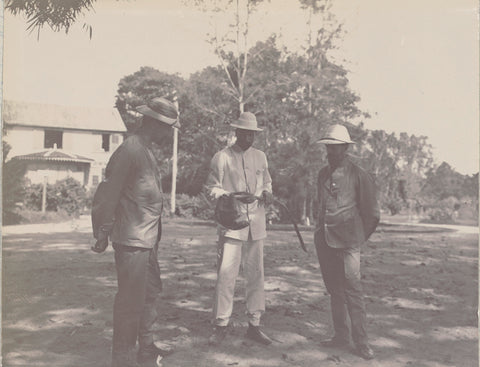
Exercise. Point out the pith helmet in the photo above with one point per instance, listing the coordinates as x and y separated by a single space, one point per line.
246 121
336 134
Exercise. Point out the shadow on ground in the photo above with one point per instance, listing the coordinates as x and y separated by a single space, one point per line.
421 300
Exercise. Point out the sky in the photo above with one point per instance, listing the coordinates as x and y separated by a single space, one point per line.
414 64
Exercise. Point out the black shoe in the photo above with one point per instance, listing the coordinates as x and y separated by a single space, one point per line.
151 352
365 352
219 333
254 333
335 342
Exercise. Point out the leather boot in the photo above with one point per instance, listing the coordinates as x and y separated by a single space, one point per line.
257 335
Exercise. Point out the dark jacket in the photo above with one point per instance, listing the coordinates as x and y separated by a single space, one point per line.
348 206
133 195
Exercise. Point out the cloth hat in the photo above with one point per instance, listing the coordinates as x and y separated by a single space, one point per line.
161 109
336 134
246 121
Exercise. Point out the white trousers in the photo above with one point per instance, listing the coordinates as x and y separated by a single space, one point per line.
250 253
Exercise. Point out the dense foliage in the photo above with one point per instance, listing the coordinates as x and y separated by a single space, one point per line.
295 96
67 195
13 186
293 115
59 15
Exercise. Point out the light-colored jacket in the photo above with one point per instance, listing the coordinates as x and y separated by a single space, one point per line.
235 170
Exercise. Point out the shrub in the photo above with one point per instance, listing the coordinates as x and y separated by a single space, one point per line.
272 214
394 205
28 216
440 215
467 210
70 196
89 197
13 190
33 197
67 195
190 206
443 211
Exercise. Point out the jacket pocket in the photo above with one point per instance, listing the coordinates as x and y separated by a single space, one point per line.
344 230
342 233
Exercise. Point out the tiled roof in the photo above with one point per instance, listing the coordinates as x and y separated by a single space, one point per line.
64 117
55 155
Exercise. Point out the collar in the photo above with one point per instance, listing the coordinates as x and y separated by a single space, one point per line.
342 164
239 150
145 140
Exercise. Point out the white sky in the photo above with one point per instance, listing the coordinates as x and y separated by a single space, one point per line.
413 63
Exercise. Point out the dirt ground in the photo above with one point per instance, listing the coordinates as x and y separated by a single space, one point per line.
421 289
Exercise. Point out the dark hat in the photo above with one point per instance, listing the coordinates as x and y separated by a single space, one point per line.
161 109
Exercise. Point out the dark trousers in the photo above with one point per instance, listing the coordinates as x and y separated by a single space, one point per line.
134 309
341 275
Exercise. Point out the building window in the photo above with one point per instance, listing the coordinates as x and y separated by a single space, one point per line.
114 139
106 142
94 180
52 138
103 174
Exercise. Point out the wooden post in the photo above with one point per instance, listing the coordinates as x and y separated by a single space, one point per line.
44 194
174 167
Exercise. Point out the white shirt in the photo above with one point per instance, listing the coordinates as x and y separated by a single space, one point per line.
234 170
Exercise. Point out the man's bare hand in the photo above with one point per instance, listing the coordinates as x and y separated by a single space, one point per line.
101 245
267 198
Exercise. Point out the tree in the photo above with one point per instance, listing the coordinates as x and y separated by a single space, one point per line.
231 45
304 93
13 185
321 96
136 89
446 193
203 109
399 164
443 182
470 186
57 14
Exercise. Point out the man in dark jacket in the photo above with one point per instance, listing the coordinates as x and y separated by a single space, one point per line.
131 217
348 215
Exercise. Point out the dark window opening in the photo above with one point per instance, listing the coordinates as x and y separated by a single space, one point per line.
95 180
52 138
106 142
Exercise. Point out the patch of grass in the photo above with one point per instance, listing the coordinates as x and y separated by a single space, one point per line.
27 216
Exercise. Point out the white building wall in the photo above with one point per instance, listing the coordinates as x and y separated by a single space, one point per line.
82 142
24 140
38 172
37 177
115 145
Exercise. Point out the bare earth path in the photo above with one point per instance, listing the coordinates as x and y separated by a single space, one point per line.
421 287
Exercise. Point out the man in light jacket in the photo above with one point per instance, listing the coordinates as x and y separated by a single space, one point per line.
348 215
241 168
